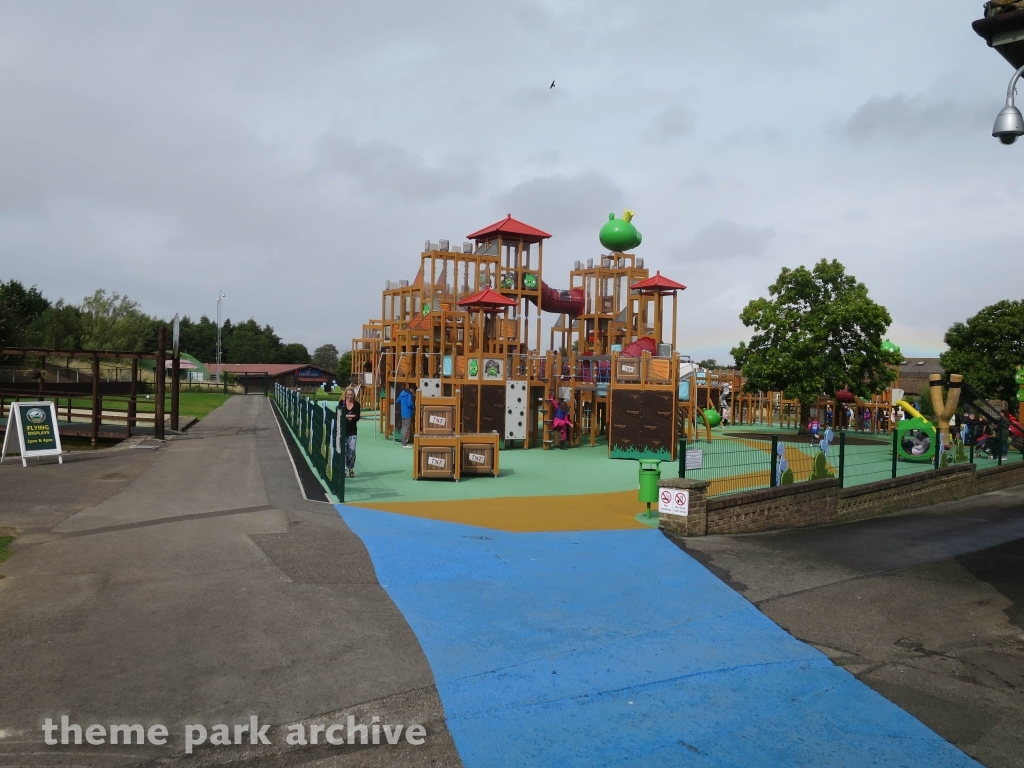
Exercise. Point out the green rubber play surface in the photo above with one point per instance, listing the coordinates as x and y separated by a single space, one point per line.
384 468
384 473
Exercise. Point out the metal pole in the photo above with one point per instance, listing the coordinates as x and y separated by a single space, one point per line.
175 372
159 374
133 394
682 456
774 479
1002 443
895 455
95 432
343 439
220 373
842 458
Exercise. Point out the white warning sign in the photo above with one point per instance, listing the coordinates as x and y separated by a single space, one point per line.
674 501
436 461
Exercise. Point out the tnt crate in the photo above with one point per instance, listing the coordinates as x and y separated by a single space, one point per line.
436 458
627 369
438 416
479 454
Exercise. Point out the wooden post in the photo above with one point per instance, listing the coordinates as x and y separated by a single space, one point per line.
133 395
161 355
42 375
94 434
175 372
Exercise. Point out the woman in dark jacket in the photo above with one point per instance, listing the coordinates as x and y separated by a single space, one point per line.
349 408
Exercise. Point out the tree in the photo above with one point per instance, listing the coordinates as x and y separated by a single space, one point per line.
294 353
115 322
709 364
249 343
20 308
987 349
345 369
199 339
326 356
818 334
59 327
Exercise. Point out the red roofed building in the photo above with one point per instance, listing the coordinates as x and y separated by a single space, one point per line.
260 377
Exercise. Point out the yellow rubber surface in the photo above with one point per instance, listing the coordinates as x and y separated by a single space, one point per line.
529 514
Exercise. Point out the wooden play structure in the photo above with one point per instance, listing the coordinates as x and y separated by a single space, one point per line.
467 331
468 327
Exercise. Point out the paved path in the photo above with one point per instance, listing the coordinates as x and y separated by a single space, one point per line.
195 585
926 607
615 648
201 589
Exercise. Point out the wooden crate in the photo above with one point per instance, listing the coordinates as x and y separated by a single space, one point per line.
435 458
627 369
479 454
437 416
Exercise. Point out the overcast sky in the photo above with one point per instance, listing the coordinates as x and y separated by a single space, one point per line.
297 155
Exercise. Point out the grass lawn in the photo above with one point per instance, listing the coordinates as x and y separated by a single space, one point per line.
198 404
5 542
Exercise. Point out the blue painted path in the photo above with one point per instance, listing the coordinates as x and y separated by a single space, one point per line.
617 648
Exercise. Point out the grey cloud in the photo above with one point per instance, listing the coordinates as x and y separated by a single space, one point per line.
670 123
386 168
726 240
564 204
903 118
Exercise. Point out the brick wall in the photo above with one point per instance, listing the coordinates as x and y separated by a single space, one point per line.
998 478
822 501
788 506
902 493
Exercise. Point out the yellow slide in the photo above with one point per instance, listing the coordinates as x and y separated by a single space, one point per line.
911 410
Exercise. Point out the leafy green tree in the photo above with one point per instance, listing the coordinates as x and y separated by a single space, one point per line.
115 322
987 348
59 327
294 353
20 309
248 342
345 369
709 363
326 357
199 338
817 334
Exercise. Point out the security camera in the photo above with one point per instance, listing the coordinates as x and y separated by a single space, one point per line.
1009 125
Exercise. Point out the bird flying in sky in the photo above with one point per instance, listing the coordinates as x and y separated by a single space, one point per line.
552 85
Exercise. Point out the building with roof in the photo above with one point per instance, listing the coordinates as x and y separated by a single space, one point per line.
915 373
259 378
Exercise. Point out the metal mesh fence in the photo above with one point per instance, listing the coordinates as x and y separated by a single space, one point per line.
320 434
738 463
731 465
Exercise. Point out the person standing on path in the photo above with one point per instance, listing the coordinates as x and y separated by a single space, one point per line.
407 403
351 411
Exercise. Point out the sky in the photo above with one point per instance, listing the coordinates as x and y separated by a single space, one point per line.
297 155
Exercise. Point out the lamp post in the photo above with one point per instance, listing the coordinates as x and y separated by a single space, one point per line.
1009 125
220 298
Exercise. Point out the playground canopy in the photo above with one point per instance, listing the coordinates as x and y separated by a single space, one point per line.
488 299
510 226
658 284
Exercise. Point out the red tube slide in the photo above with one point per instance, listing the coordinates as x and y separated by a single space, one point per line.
568 302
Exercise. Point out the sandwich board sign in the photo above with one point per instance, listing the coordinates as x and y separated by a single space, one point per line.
36 425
